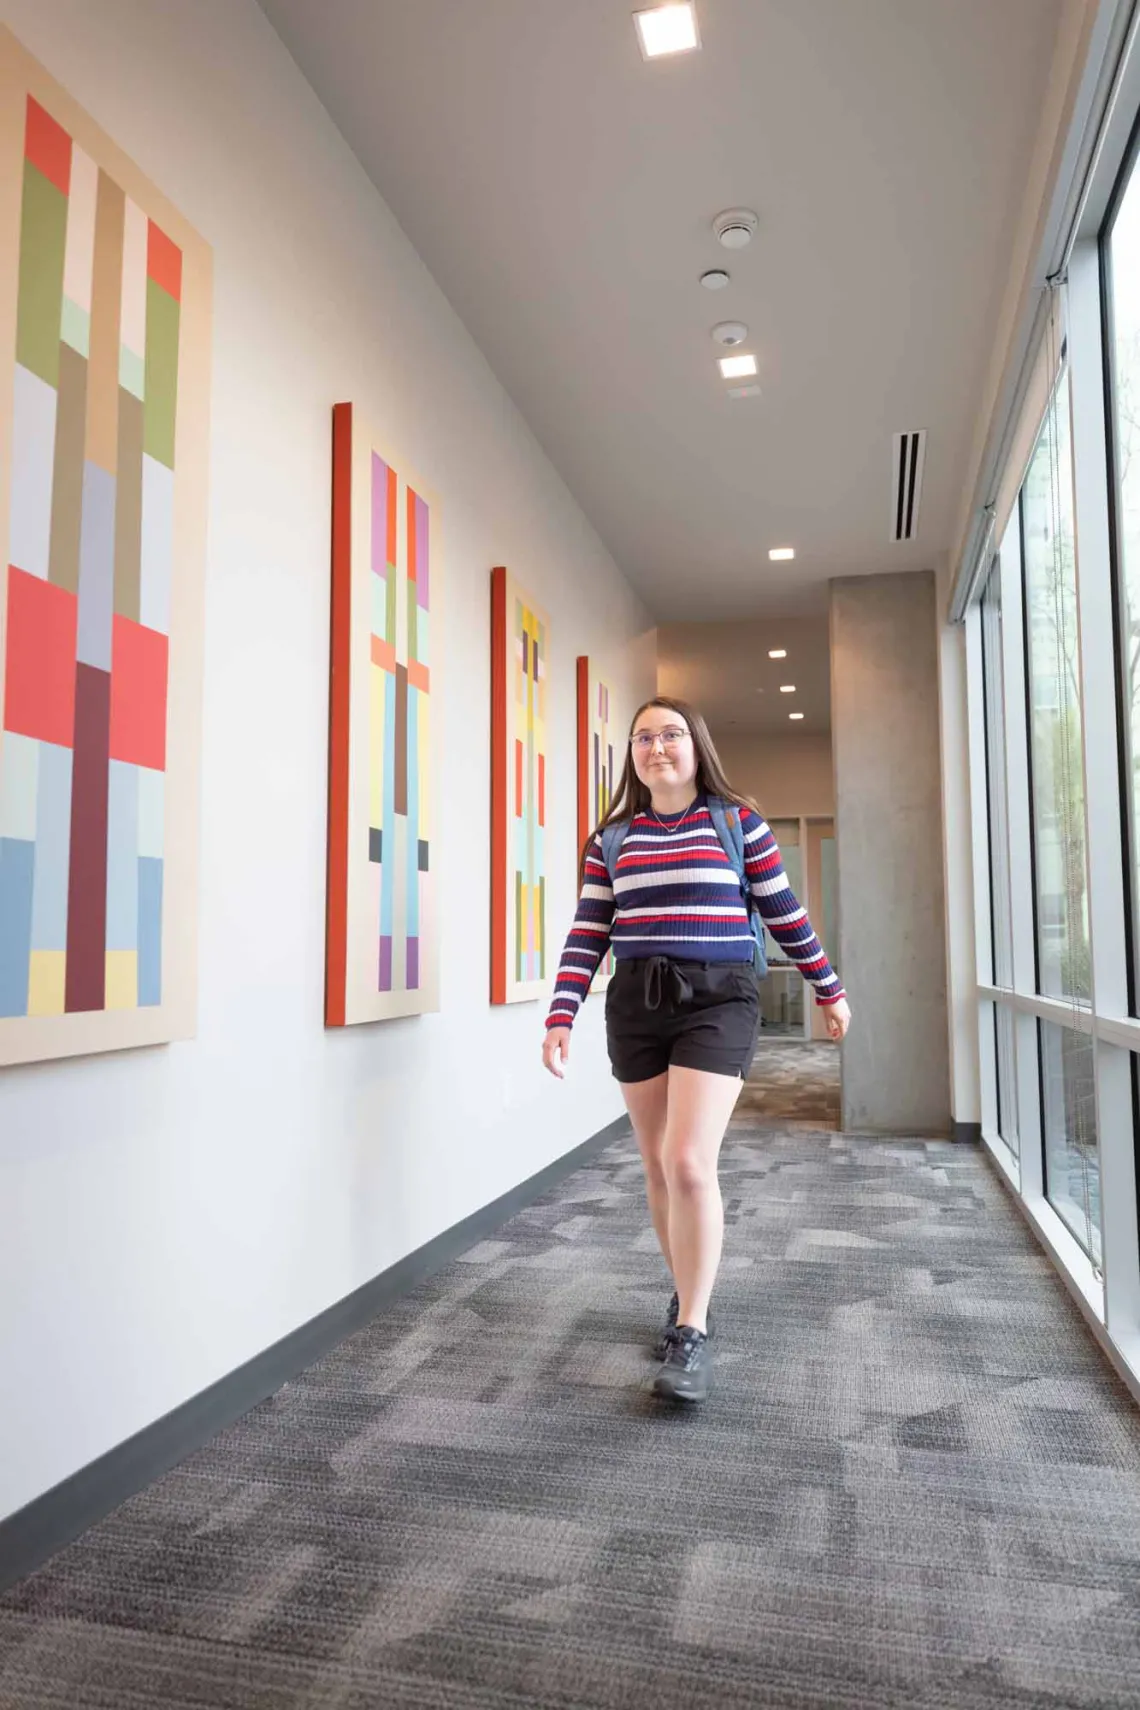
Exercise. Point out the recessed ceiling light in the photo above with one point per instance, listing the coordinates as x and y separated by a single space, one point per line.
779 552
795 715
777 653
787 688
715 279
737 367
667 29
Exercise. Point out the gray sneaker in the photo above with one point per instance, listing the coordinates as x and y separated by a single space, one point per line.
687 1369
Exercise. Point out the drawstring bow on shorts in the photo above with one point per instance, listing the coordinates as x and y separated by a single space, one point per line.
660 973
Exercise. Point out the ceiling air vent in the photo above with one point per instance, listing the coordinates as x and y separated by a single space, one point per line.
908 458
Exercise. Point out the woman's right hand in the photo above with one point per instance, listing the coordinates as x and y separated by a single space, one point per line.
556 1050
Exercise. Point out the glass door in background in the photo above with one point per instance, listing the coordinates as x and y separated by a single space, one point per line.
781 992
821 900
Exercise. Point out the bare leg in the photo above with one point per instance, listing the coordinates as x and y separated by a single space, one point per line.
698 1109
647 1103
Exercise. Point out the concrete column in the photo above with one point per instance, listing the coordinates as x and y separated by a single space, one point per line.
892 945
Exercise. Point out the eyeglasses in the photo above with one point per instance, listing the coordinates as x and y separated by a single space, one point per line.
645 739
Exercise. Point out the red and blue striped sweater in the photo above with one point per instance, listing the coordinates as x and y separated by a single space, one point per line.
675 894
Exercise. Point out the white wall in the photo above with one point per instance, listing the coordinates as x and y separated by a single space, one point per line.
165 1215
789 776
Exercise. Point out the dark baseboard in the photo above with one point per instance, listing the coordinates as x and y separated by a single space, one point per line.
33 1534
969 1131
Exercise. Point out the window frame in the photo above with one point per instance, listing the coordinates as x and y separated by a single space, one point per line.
1080 268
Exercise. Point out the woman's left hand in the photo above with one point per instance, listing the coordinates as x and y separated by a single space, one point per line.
838 1018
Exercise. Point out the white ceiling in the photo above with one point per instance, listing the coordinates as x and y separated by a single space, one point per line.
560 191
724 669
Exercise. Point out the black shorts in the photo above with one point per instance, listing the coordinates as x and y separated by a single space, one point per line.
696 1015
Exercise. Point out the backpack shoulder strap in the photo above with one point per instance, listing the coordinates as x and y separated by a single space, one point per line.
726 817
612 839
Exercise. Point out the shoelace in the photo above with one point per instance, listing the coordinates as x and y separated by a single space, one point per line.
683 1346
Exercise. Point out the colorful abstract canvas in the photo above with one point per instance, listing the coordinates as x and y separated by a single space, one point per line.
520 652
104 358
597 778
382 948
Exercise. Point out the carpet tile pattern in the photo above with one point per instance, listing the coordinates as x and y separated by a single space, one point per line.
916 1485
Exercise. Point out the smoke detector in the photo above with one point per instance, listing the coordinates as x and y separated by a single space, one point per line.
715 279
730 332
736 227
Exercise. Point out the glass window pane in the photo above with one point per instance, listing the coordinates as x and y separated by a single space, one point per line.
1124 274
994 700
1053 681
1068 1108
1005 1038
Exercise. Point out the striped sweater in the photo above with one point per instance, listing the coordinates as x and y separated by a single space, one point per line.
676 894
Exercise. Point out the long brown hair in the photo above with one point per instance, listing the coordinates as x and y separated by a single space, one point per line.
632 796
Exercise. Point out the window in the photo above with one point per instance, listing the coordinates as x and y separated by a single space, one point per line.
1005 1044
1068 1118
997 804
1122 263
996 799
1052 650
1053 685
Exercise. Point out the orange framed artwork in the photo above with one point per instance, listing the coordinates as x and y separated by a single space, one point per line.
520 784
597 779
105 315
382 942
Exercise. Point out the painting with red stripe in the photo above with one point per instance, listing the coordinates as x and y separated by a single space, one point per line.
382 949
520 753
104 385
601 754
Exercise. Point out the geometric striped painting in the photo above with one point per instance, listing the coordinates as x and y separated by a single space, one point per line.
104 354
596 780
520 657
382 952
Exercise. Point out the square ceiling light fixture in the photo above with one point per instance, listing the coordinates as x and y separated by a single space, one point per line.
737 367
667 29
779 553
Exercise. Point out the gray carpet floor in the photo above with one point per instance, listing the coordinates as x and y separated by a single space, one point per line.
918 1483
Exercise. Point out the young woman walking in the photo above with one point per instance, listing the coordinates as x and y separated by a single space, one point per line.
683 1007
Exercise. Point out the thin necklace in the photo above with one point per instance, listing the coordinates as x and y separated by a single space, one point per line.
681 818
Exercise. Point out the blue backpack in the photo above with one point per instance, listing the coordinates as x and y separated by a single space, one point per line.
726 817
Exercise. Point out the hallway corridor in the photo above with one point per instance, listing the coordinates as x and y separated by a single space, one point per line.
792 1085
918 1483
